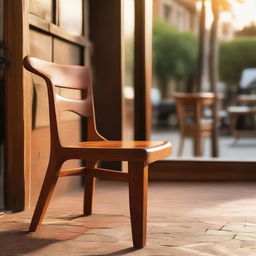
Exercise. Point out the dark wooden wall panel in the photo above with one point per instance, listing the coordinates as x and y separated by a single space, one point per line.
40 156
42 50
42 9
49 47
72 56
105 34
143 68
17 107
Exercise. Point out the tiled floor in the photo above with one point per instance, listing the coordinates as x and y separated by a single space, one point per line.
183 219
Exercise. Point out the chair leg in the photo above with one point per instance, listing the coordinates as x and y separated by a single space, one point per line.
181 145
138 185
89 187
197 145
45 196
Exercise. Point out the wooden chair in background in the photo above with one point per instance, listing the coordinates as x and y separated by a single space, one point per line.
245 111
189 108
138 153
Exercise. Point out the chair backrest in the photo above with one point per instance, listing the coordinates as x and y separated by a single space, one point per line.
189 107
70 77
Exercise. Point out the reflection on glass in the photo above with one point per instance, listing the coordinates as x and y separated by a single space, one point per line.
71 16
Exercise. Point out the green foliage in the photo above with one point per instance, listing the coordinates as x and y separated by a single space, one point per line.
235 56
174 53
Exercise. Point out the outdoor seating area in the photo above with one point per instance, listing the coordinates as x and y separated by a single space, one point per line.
190 116
243 113
190 108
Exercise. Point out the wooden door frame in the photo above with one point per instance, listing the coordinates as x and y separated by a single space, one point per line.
143 68
17 107
181 170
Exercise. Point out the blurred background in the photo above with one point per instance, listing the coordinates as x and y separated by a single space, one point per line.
206 46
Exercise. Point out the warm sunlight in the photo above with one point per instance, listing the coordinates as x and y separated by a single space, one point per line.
129 17
241 13
244 13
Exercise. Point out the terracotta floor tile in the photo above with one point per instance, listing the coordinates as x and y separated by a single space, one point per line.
183 219
246 237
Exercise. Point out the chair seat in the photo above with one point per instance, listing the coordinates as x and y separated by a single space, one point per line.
243 110
146 151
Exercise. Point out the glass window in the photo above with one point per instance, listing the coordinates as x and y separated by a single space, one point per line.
71 16
167 12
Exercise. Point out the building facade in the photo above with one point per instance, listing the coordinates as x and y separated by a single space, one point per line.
181 14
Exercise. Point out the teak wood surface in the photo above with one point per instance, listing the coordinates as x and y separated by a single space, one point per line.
17 108
139 154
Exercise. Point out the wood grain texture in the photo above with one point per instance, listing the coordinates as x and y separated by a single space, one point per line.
107 65
95 172
17 107
138 153
138 185
143 68
40 152
202 170
42 9
47 47
89 188
58 32
46 193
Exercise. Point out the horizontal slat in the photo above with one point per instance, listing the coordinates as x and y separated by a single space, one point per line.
73 172
39 23
97 172
54 30
60 32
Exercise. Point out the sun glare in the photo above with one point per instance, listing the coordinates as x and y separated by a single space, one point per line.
241 14
129 17
244 13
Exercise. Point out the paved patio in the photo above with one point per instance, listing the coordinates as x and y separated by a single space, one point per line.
229 148
184 219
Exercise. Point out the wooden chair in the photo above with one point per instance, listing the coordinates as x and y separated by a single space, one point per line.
189 108
248 113
139 154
